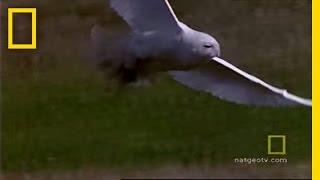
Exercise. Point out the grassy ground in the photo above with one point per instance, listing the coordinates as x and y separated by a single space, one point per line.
62 120
57 114
171 172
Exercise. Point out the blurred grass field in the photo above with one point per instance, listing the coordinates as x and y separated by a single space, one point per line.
56 113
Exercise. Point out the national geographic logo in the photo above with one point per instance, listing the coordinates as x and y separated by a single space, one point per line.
276 146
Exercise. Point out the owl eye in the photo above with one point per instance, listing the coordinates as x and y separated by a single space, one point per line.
208 46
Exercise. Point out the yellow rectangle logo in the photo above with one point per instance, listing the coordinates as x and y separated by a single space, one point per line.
33 12
282 149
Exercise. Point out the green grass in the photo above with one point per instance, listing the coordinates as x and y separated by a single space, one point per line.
65 120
